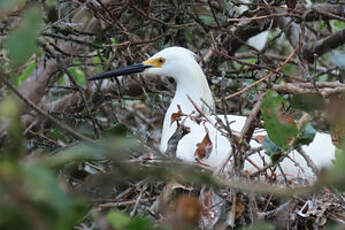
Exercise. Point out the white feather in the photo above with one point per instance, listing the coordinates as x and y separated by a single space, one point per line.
190 79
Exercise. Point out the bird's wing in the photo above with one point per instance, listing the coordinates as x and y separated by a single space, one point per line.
216 148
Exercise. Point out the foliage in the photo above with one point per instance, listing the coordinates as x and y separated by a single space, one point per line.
106 171
21 43
280 127
30 191
120 221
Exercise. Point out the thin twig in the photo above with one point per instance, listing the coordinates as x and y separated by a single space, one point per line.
264 78
245 132
138 200
309 161
42 112
108 205
260 17
180 26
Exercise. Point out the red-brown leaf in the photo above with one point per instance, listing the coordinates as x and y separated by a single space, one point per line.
336 117
197 119
204 148
189 209
284 118
177 115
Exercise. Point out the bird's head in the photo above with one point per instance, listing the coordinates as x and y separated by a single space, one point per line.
168 62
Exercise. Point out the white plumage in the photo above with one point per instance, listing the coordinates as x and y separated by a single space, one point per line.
180 64
190 80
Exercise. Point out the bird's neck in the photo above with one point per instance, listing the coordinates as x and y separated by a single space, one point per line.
189 82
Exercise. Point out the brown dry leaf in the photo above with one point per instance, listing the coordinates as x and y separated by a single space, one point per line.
189 209
177 115
335 106
162 203
336 112
204 148
335 138
286 119
283 117
338 133
240 209
197 119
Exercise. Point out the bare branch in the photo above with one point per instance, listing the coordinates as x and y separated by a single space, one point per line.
42 112
316 49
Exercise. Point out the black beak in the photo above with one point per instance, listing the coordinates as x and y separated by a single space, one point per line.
136 68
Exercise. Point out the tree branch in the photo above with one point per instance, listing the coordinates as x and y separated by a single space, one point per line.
320 47
42 112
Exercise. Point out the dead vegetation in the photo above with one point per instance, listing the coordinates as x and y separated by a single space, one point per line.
60 113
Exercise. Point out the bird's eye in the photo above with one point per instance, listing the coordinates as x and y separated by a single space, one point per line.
159 61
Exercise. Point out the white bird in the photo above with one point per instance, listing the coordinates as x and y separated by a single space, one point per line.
192 86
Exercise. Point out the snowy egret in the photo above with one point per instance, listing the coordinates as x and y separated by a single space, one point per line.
204 143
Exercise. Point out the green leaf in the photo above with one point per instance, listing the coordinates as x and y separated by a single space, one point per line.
208 20
119 129
21 43
110 147
308 102
288 69
270 147
57 134
27 71
51 2
252 60
279 131
306 134
337 172
117 219
188 35
121 221
33 188
9 108
97 60
337 25
10 112
78 75
44 186
140 224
